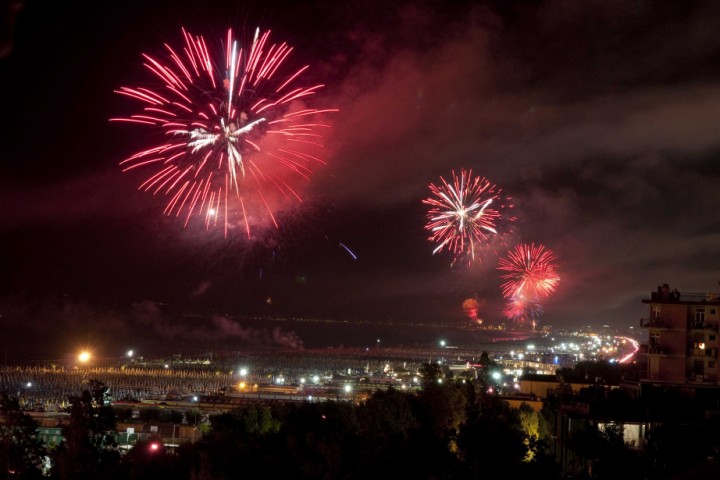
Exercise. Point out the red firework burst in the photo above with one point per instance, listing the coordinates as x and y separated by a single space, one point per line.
523 310
530 272
237 130
465 213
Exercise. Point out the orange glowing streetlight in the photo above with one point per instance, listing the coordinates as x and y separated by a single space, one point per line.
84 356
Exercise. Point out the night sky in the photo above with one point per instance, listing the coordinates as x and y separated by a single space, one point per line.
600 118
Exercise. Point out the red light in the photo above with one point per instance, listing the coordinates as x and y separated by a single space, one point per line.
154 446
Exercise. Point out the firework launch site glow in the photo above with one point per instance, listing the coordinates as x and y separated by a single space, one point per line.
465 214
237 131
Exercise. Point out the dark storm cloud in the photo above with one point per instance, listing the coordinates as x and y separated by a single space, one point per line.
67 201
462 101
600 118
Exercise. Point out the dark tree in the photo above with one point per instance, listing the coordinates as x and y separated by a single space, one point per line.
676 447
430 373
492 442
88 450
21 451
250 420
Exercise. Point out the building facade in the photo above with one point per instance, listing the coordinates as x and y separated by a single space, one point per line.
682 337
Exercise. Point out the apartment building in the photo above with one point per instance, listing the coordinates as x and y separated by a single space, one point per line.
682 337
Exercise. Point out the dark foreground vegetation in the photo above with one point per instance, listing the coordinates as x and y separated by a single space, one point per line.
452 430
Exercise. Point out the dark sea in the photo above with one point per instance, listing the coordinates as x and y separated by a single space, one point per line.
198 337
302 334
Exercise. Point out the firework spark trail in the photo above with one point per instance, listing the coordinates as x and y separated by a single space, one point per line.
348 250
232 131
530 272
464 214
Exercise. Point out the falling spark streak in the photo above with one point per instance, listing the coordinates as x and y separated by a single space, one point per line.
464 214
349 251
220 115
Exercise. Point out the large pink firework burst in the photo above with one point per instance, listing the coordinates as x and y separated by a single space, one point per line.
465 213
531 272
237 131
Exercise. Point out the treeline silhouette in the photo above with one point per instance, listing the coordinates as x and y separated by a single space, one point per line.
451 429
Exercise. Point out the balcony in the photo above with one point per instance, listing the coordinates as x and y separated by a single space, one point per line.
702 378
652 323
658 350
696 352
713 327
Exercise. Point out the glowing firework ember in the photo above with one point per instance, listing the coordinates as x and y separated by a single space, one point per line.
471 307
234 123
530 272
464 214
